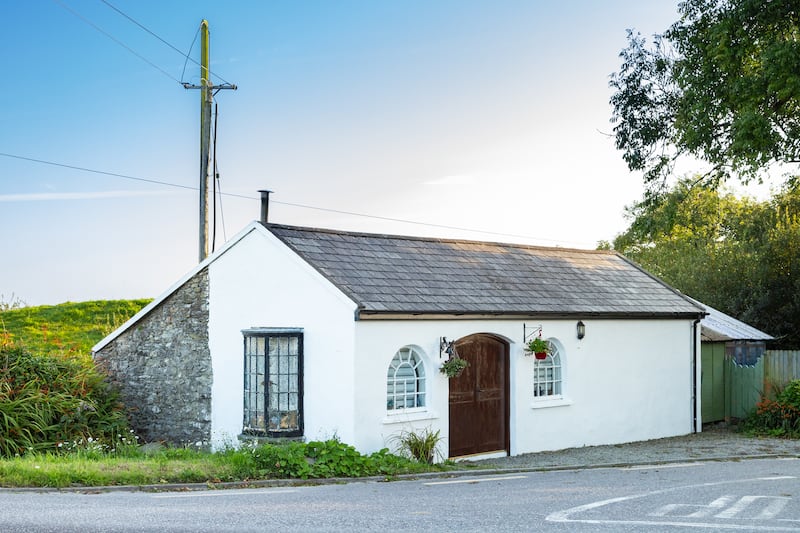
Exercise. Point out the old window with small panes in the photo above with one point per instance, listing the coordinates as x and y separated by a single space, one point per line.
547 374
273 382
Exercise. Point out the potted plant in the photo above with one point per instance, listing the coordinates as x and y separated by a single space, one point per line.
539 348
453 367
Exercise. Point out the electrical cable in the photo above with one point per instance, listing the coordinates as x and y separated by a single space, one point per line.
290 204
196 34
214 185
125 46
221 213
142 26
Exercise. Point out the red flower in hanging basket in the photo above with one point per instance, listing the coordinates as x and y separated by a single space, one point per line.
539 347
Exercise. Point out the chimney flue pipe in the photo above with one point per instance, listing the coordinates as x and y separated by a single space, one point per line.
264 206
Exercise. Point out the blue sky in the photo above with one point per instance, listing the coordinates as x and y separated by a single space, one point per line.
481 115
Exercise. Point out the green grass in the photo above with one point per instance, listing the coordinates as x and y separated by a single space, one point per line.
65 328
314 460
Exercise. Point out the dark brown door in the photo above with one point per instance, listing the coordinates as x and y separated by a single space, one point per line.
479 398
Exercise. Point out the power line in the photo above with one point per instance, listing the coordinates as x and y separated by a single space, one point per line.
145 28
290 204
125 46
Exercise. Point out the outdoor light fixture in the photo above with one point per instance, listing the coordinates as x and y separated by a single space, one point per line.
581 329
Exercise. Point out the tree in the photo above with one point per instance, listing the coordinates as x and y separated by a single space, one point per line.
720 85
738 255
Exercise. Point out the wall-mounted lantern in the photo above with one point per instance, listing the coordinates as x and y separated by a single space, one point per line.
581 329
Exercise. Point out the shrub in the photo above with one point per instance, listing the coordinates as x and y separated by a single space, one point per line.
779 417
47 400
319 459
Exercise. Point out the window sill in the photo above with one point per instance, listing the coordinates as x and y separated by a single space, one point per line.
550 402
409 416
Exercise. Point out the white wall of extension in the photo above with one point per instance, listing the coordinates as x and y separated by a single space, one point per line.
627 380
260 283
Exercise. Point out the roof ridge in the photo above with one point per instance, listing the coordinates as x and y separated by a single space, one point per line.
436 239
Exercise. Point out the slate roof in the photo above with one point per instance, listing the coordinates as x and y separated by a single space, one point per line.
389 274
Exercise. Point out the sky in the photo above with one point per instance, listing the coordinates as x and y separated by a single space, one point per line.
470 119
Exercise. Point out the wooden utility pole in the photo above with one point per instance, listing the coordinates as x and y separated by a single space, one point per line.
207 90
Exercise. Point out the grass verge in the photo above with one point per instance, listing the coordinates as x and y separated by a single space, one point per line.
313 460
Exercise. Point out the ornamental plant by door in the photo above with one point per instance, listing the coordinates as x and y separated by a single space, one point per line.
539 348
453 367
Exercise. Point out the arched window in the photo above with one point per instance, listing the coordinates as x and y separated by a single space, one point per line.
547 377
405 381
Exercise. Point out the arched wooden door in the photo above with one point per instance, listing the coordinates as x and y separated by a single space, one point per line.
479 397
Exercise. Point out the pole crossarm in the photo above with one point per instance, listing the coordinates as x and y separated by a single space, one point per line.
231 86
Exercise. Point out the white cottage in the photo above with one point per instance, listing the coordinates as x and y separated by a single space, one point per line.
292 332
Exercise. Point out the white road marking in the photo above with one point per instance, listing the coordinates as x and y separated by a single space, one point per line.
701 512
775 505
223 492
473 480
566 515
658 467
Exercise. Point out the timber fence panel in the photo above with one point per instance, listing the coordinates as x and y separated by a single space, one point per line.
781 367
744 387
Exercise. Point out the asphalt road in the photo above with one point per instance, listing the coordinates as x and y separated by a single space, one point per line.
750 495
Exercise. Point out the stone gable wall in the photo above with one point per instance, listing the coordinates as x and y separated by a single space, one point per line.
162 366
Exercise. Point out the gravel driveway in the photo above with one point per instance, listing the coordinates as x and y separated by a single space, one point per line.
714 443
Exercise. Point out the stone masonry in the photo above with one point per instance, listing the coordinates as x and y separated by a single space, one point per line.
162 366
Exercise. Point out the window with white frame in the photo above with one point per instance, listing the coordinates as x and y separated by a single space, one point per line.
405 381
547 376
273 382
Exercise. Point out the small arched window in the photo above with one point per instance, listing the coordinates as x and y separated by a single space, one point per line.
547 376
405 381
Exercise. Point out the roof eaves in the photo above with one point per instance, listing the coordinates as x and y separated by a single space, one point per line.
367 314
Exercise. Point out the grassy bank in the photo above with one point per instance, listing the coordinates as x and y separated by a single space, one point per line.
65 328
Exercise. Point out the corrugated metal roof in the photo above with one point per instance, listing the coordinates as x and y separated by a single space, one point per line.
410 275
718 326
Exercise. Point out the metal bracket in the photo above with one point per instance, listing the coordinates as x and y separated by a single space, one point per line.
447 347
526 336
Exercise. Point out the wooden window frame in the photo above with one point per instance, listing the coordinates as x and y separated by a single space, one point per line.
278 371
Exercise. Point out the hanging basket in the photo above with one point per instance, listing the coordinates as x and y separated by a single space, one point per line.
453 367
538 347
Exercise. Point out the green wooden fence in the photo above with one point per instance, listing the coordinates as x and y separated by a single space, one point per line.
743 387
730 390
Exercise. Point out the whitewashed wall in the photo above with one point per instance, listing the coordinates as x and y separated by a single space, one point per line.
627 380
260 282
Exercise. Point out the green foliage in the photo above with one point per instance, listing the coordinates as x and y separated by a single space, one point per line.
421 446
538 345
68 327
738 255
720 85
779 417
320 459
90 464
453 366
790 395
47 400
